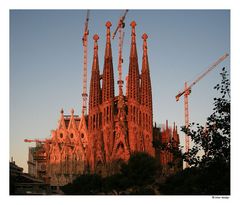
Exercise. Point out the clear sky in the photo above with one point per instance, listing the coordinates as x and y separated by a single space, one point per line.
46 61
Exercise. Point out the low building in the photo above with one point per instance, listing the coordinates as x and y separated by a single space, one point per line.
24 184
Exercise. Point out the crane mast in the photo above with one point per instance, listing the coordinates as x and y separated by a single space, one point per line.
120 60
85 52
121 23
186 92
119 29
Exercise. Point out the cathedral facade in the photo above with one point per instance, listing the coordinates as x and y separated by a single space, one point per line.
115 127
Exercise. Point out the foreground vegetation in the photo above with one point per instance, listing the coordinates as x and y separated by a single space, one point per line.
134 178
210 172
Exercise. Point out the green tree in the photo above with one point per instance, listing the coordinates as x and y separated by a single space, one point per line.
141 169
213 140
211 180
116 182
209 158
86 184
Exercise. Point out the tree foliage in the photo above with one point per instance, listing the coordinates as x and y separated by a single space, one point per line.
85 184
211 180
139 171
213 139
209 158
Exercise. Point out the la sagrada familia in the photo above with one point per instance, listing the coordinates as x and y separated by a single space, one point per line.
115 127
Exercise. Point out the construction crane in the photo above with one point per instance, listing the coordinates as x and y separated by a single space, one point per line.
85 52
187 90
121 23
36 140
49 141
119 29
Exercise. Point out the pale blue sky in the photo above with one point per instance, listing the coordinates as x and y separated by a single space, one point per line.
46 60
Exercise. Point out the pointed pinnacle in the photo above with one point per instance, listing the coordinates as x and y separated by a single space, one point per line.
144 36
95 37
108 24
133 24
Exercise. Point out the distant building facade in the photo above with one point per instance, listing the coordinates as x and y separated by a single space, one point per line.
37 161
166 143
115 127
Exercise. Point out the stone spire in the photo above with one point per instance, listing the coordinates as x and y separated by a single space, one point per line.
107 107
175 136
108 78
133 52
133 73
146 99
95 90
133 97
146 89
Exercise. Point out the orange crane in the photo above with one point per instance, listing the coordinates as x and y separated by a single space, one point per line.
85 51
46 141
187 90
36 140
119 29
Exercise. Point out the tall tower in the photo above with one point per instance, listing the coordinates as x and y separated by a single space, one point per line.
146 101
107 107
133 95
96 152
95 89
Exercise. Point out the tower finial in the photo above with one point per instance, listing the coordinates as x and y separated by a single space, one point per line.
133 25
62 111
144 37
72 111
108 25
95 38
108 51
